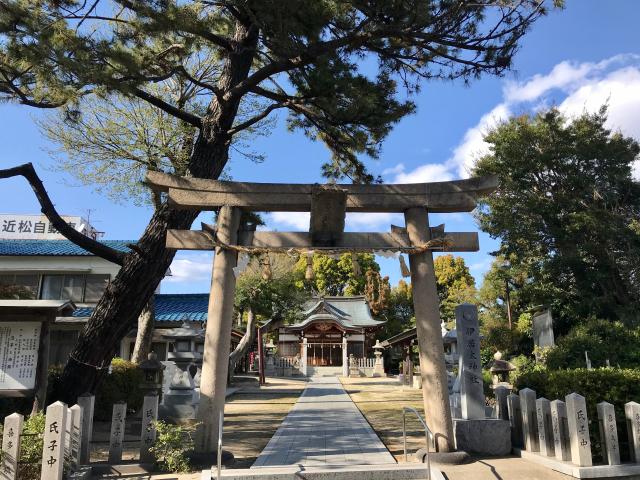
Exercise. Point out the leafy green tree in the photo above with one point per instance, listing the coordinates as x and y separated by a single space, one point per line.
566 211
301 56
455 285
336 276
399 314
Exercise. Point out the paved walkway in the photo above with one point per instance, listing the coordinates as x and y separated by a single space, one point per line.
324 428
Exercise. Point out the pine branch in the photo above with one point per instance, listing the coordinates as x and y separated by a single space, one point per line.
97 248
167 107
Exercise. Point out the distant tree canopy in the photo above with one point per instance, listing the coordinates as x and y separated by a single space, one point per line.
567 212
336 276
455 285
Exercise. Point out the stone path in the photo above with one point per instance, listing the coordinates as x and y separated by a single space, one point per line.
324 428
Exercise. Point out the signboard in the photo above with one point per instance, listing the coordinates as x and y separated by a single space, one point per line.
19 343
38 227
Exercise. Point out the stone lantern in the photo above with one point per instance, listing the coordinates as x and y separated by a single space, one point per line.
500 371
180 400
152 370
378 368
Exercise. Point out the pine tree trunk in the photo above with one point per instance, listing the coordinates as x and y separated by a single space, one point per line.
245 342
144 335
118 309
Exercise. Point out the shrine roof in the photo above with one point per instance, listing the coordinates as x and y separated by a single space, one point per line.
350 312
172 307
20 248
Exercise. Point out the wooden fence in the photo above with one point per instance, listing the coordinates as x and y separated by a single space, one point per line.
67 437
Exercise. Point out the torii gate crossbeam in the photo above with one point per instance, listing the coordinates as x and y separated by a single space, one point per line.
328 205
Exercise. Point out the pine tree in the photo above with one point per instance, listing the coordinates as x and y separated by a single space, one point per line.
302 56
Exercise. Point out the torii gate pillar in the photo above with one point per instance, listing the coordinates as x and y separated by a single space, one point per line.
426 305
217 338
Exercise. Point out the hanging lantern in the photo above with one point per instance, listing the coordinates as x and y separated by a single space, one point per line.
309 275
404 270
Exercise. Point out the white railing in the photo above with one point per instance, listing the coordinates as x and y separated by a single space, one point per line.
366 362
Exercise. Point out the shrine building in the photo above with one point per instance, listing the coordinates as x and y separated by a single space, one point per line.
331 330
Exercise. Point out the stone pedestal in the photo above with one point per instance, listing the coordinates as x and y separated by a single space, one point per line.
487 436
178 403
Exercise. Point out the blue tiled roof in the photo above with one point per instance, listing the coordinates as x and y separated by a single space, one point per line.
53 247
176 307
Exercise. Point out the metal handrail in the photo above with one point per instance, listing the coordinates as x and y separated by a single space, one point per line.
427 435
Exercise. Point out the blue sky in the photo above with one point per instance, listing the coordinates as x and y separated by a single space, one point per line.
576 58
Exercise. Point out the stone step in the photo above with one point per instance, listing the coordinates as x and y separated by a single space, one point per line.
346 472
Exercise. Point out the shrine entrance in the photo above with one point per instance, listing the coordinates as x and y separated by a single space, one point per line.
324 346
327 205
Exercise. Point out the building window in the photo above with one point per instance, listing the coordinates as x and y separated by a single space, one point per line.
77 288
95 287
19 286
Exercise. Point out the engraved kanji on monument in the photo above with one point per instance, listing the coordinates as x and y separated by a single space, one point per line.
55 428
560 430
608 433
545 427
529 420
578 430
468 335
87 402
632 413
116 437
11 446
515 419
148 436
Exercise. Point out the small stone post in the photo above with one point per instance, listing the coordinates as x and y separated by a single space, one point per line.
87 402
632 412
468 333
116 438
433 370
74 423
502 410
529 420
11 446
148 436
560 430
217 339
545 427
578 430
54 442
304 357
515 419
345 357
608 433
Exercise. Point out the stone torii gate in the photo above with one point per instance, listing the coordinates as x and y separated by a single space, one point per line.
328 205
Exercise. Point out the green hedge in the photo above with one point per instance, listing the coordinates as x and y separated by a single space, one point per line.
122 384
603 339
614 385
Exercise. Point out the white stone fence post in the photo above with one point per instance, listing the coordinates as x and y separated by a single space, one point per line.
67 437
560 429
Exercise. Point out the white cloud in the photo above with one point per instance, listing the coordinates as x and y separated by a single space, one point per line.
579 86
372 222
431 172
191 267
297 220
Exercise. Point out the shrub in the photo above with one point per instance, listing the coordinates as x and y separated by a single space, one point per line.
122 384
603 339
173 442
613 385
31 443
